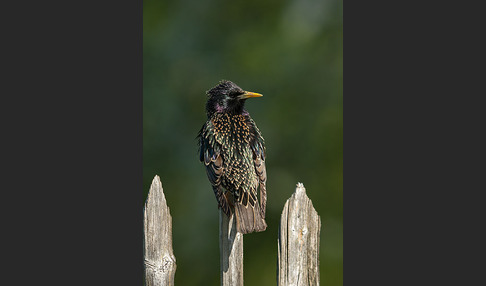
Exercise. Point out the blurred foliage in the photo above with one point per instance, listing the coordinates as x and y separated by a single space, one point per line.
292 53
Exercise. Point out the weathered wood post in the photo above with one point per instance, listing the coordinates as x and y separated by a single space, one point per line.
231 251
298 241
160 262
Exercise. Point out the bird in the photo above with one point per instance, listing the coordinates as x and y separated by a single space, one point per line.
233 151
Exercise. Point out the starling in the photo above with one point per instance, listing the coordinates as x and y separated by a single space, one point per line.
233 151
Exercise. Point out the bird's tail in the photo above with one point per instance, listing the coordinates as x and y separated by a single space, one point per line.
249 218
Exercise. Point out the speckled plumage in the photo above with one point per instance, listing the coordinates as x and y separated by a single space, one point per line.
233 151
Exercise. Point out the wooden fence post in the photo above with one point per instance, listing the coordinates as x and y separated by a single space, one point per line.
160 262
230 251
298 241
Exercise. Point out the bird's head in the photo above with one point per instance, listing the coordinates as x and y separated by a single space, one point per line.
227 97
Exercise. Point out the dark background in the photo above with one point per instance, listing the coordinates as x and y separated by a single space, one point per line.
292 53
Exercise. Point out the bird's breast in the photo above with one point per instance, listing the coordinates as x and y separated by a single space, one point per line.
232 133
231 130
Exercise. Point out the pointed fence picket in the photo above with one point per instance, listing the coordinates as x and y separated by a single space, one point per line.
298 242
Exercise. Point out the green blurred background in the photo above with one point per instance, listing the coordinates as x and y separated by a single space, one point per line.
292 53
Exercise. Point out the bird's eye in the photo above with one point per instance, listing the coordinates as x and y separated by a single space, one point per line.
235 93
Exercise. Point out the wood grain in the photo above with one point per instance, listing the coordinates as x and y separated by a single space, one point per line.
231 251
160 262
298 241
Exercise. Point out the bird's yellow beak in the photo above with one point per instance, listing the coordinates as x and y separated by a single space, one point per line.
249 94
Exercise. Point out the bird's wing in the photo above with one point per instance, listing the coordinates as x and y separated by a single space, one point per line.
258 147
210 154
